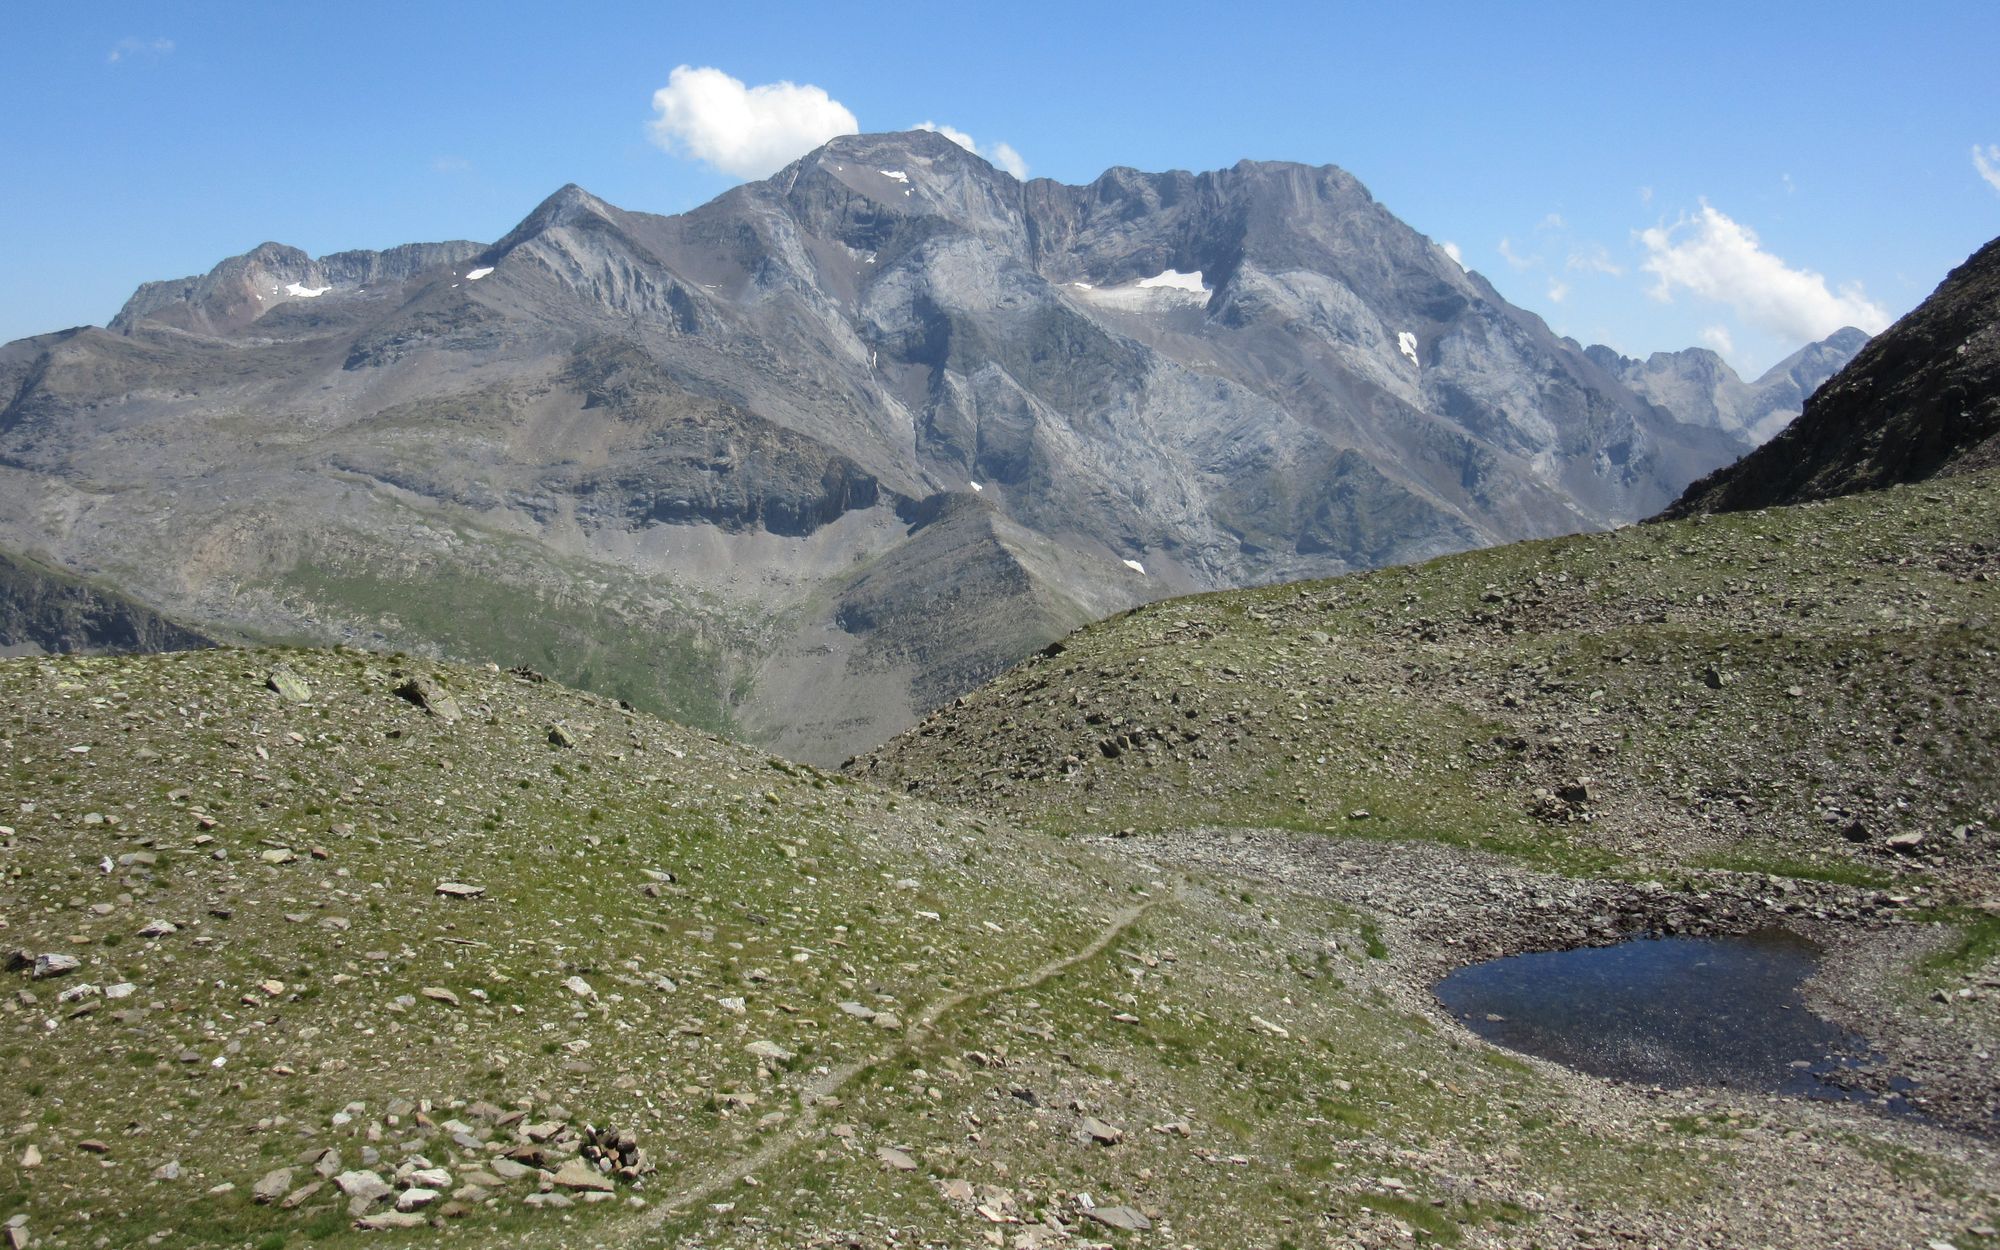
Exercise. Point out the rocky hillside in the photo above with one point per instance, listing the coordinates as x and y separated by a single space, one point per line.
782 464
307 948
43 610
1732 687
1922 399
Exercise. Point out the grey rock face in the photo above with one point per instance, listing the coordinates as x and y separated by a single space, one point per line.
1699 388
828 450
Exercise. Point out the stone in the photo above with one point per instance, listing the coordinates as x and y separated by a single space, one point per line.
1129 1219
576 1174
561 735
1905 843
770 1052
31 1157
159 929
326 1163
549 1200
384 1221
507 1169
416 1198
858 1011
438 994
428 1178
367 1185
579 987
1275 1030
431 697
887 1020
168 1171
302 1195
1101 1133
55 965
278 855
272 1186
289 685
459 889
895 1159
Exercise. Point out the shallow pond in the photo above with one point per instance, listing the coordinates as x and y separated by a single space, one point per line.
1668 1011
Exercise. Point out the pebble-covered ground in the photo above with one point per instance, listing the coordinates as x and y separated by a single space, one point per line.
320 948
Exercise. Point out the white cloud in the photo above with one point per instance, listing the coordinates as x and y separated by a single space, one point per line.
128 48
1593 258
1514 258
1719 259
1718 338
1002 155
1645 195
1451 250
1558 290
1553 221
751 132
1987 161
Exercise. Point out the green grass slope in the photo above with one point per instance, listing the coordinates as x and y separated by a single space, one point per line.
824 1013
1811 691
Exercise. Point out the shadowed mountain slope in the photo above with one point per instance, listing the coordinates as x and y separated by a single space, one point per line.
1922 399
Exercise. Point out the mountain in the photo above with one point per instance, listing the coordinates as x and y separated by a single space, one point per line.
828 450
43 610
1921 400
1699 387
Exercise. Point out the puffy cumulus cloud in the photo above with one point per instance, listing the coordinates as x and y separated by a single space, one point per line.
1717 337
1719 259
1451 250
751 132
1558 290
1987 161
1002 155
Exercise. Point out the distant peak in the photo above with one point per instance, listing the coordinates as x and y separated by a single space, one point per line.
567 206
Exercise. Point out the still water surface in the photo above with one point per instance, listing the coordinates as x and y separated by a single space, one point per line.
1668 1011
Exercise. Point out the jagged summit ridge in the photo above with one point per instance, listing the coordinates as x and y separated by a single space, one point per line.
716 428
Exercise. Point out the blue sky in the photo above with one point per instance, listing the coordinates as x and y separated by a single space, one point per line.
1648 176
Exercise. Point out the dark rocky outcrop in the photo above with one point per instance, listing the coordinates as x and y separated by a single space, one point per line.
1921 400
46 611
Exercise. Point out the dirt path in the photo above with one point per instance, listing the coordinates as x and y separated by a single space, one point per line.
710 1181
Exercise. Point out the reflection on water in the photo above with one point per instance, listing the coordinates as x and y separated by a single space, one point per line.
1669 1011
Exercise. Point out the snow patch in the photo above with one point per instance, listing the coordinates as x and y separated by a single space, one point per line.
1174 279
894 175
1406 343
1167 289
303 291
1136 567
474 275
975 486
